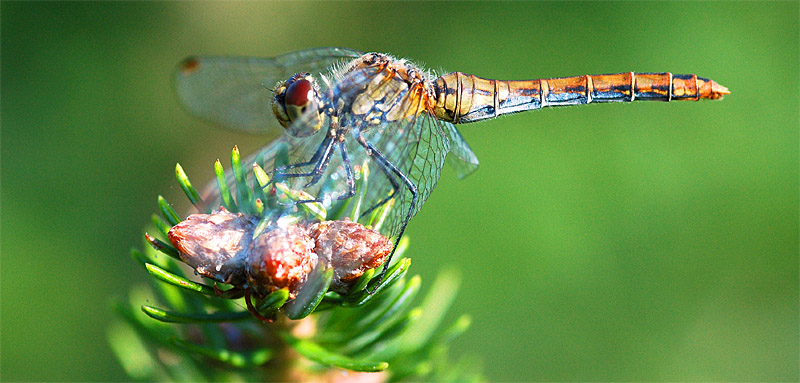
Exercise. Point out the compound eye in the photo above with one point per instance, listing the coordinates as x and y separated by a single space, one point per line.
299 95
300 99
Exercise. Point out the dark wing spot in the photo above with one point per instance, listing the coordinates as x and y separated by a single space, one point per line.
189 66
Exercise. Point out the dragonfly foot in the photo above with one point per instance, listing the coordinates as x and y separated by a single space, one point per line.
380 277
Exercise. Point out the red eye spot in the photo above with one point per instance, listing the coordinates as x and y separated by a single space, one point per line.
299 93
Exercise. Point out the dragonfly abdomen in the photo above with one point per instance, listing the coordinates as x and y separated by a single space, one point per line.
462 98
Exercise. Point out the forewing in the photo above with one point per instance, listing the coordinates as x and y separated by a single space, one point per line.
236 92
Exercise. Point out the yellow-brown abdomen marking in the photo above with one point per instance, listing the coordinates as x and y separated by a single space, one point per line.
474 98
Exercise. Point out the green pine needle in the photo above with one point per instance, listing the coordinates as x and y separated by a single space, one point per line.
187 187
172 279
310 295
159 223
325 357
170 215
224 191
274 300
173 317
394 274
243 191
162 246
356 330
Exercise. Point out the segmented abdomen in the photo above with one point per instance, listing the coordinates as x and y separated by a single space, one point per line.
462 98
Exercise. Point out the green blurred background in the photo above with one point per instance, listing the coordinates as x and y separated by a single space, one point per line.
625 242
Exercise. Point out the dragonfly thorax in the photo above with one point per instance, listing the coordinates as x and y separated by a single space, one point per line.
296 105
383 90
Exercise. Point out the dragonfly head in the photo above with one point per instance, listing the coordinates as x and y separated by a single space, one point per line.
296 105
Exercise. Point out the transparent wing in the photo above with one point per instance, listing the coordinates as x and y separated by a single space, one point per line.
416 144
418 148
236 92
286 150
461 157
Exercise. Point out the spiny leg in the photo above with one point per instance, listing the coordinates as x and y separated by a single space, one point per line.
395 187
320 158
351 183
391 170
388 173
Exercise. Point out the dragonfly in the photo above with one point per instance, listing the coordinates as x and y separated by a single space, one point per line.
342 110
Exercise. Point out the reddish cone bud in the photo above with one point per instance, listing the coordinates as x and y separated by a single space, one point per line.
350 248
215 244
280 257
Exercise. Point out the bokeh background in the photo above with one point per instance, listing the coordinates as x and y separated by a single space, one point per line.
629 242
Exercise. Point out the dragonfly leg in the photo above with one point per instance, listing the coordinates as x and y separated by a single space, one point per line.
319 170
383 201
322 164
389 174
320 158
391 171
351 182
